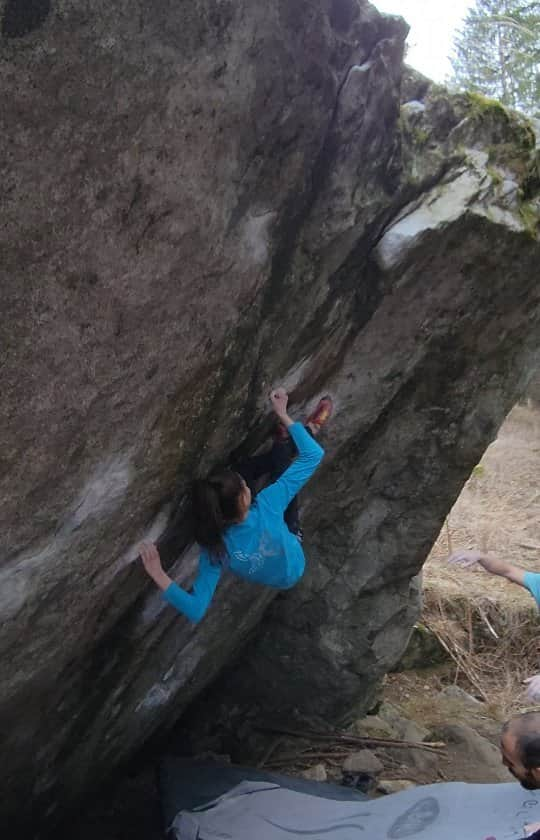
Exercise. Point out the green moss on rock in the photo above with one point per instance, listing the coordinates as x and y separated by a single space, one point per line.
423 651
530 216
483 105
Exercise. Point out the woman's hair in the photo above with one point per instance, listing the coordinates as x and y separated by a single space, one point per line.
214 505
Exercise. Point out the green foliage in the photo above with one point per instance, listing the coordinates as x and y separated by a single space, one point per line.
497 53
421 135
530 218
495 176
484 105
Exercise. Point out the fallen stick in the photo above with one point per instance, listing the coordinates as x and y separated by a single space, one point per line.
269 752
460 660
306 758
344 738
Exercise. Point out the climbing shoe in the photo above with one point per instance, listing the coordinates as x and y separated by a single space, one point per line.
321 414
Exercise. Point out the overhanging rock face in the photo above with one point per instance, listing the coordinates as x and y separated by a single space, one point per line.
201 200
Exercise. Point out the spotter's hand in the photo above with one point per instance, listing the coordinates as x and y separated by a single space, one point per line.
464 558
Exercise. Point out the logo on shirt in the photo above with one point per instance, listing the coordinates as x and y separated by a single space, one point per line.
254 561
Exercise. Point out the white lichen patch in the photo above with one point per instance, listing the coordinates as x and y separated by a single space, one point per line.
295 375
413 107
255 238
102 493
153 699
149 534
16 583
471 191
442 205
24 574
161 692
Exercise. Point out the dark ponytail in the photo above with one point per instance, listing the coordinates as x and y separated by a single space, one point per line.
214 505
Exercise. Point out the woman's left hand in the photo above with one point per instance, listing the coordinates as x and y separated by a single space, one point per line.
152 564
151 560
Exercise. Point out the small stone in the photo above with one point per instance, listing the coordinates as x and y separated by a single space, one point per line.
456 693
405 729
363 761
388 786
391 714
373 726
414 732
317 773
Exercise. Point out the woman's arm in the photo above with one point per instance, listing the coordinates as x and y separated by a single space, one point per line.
192 604
279 494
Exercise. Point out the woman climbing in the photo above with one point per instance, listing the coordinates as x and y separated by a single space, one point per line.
260 539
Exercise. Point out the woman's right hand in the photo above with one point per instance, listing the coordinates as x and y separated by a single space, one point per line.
279 399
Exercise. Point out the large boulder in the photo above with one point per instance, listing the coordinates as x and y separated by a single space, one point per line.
201 200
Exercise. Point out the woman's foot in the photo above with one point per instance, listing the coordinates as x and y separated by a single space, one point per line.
316 420
321 415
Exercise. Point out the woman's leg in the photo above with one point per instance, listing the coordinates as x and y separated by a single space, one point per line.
253 468
276 461
272 463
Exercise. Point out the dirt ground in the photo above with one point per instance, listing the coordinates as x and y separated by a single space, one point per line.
498 511
488 625
492 623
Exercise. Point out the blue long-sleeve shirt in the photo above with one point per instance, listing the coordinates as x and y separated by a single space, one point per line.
531 581
261 548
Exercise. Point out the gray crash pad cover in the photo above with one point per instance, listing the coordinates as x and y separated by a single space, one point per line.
186 784
452 811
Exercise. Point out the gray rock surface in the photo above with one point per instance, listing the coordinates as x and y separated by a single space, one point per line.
405 729
533 390
483 759
454 692
199 201
373 726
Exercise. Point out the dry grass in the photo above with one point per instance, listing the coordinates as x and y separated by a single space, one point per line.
494 645
489 626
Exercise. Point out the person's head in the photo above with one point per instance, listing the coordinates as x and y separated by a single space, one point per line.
520 748
220 500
